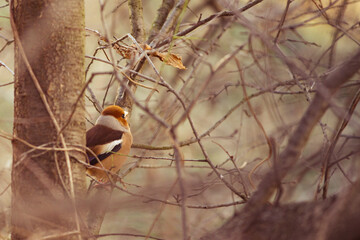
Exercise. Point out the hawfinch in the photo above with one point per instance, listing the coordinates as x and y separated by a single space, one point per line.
110 139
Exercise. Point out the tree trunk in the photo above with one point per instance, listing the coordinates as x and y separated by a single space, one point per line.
49 35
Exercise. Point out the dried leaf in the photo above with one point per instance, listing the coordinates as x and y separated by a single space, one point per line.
125 52
129 51
170 59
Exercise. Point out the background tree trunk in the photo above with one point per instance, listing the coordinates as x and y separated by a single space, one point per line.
51 34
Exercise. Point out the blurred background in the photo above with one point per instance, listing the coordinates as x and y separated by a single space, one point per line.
314 35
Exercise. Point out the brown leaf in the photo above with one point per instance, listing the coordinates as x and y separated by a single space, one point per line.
129 51
125 52
166 57
170 59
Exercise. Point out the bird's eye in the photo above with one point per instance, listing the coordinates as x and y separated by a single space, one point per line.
123 116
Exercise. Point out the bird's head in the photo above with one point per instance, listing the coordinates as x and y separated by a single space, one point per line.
113 112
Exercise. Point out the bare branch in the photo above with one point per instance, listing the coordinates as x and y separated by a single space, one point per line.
299 138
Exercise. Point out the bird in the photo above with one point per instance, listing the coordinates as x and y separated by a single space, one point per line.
110 140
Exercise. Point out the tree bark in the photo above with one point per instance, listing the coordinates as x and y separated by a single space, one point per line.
49 41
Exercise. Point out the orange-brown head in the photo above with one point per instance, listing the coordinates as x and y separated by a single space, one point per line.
118 113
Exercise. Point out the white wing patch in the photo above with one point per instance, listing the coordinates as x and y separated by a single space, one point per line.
109 146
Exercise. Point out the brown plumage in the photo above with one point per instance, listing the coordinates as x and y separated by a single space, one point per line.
110 140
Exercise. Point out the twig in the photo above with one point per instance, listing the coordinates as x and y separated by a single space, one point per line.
282 20
343 172
93 75
179 162
152 199
336 33
208 19
3 64
5 189
162 207
57 236
127 235
218 66
236 167
299 138
216 124
122 71
257 121
330 150
107 90
94 100
6 84
3 6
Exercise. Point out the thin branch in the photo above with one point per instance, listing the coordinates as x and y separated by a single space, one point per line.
179 162
329 153
162 207
300 136
152 199
127 235
62 235
7 68
282 20
6 84
208 19
257 121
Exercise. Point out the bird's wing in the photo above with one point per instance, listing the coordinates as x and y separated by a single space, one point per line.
93 160
100 135
109 141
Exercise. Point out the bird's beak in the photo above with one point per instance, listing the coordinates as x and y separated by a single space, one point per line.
126 114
